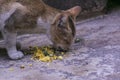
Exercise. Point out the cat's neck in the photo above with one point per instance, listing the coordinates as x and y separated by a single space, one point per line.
45 19
50 13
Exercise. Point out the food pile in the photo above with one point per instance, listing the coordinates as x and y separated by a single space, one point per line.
47 54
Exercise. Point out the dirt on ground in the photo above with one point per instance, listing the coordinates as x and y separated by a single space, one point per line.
95 57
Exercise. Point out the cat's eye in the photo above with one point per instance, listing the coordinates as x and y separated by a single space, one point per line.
61 24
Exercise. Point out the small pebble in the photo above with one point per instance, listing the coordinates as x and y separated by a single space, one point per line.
22 67
30 65
11 69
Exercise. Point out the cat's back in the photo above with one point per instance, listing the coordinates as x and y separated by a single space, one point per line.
29 10
28 3
24 12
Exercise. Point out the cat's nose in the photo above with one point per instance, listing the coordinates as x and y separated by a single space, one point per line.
60 48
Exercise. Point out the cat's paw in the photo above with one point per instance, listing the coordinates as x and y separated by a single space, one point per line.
15 54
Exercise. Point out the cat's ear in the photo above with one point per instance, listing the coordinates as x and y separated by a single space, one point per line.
75 11
62 21
55 19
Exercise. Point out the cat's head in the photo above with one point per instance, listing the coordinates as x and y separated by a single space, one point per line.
63 29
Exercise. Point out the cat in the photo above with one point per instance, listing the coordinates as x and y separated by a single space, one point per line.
34 16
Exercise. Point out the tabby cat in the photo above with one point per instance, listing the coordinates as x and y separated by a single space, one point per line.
34 16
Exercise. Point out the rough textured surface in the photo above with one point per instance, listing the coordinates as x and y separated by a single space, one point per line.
97 57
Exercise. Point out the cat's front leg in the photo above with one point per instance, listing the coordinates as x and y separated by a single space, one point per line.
10 40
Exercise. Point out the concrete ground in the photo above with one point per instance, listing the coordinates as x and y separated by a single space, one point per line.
97 57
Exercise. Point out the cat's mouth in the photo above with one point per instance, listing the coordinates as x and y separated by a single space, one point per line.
60 49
